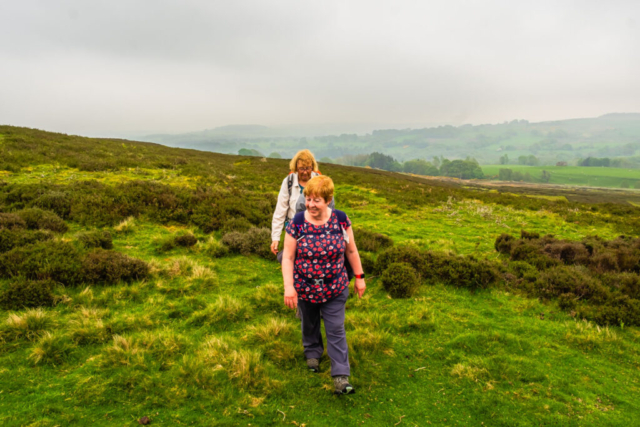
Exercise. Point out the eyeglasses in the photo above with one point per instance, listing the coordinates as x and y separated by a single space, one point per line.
304 169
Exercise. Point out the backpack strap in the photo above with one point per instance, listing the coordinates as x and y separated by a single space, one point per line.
290 183
342 219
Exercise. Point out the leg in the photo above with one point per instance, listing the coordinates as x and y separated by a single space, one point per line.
333 315
311 336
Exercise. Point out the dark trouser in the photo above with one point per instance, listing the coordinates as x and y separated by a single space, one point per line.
333 316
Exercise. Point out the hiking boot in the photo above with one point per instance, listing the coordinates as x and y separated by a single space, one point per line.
314 365
341 383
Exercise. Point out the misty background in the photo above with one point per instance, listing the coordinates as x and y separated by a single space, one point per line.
134 68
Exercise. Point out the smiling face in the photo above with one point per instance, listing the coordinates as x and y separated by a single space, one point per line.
316 205
304 170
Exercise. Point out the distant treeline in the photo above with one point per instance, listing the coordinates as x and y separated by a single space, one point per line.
465 169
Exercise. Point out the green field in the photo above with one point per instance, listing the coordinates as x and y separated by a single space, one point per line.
205 338
574 175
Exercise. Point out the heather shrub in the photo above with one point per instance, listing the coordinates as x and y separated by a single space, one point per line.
400 280
529 235
186 240
405 254
504 243
108 267
604 261
616 311
524 270
240 224
370 241
459 271
55 260
22 294
367 261
626 283
55 201
96 239
37 219
570 280
255 241
10 239
11 221
567 252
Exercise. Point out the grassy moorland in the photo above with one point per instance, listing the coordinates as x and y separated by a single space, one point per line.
574 175
134 282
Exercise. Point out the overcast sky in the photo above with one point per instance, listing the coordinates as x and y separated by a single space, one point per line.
139 66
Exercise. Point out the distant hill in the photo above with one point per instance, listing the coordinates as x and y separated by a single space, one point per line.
611 135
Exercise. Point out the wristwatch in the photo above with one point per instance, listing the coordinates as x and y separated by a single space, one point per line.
359 276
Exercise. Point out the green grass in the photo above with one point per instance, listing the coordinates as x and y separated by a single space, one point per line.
209 341
574 175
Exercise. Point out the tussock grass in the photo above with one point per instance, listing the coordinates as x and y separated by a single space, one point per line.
469 371
269 296
87 326
367 341
224 310
30 324
50 349
126 226
123 351
164 345
588 335
212 247
270 330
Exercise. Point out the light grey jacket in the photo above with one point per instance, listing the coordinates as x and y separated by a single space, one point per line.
287 206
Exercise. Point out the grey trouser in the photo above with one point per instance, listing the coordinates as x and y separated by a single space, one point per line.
333 316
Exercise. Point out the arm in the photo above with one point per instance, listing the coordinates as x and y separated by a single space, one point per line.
289 256
354 259
279 215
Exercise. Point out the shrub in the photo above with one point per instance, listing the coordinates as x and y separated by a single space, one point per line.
55 260
400 280
405 254
616 311
109 267
10 239
37 219
368 262
96 239
11 221
524 270
370 241
567 252
186 240
462 272
255 241
23 294
529 235
570 280
504 243
240 224
627 283
55 201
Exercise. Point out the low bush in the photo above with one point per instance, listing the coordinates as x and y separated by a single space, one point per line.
400 280
459 271
10 239
38 219
255 241
22 294
368 262
406 254
186 240
96 239
524 270
525 235
55 201
108 267
55 260
567 252
370 241
236 224
504 243
620 310
10 221
570 280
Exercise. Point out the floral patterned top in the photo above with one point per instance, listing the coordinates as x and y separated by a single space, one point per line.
318 272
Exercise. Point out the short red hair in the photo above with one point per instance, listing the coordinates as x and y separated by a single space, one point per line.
320 186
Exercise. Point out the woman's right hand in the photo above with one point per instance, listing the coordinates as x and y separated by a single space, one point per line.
274 247
290 297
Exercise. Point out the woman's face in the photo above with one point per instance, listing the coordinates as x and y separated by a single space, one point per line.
315 205
304 171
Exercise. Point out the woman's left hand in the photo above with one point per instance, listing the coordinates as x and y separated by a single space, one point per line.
361 286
